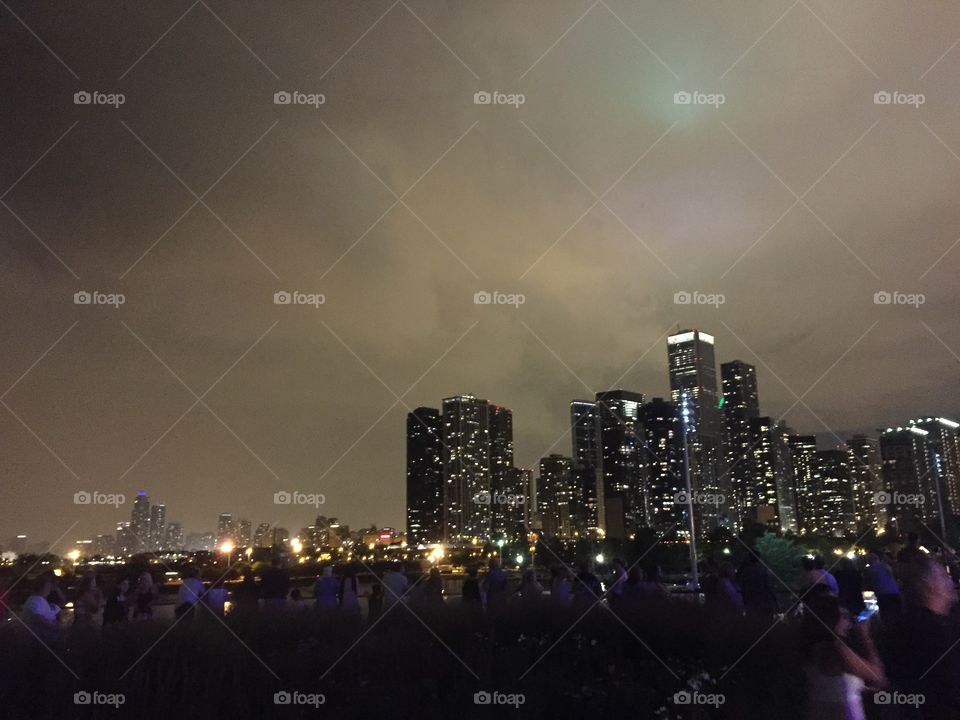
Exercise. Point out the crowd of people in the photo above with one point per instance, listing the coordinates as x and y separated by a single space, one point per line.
901 640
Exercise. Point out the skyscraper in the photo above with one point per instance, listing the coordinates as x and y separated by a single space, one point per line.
225 529
555 496
663 462
740 405
158 527
943 445
140 523
243 530
263 537
588 464
174 539
693 384
867 477
768 495
424 476
506 513
909 478
803 456
833 494
621 461
466 468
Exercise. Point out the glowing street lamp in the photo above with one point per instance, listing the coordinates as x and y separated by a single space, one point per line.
227 549
73 556
296 545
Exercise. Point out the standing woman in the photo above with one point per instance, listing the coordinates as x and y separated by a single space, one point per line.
144 597
349 597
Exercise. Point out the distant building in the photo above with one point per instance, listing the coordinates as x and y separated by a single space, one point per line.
833 493
140 523
506 510
263 537
158 527
803 457
768 491
621 460
105 545
466 468
943 445
201 542
225 529
663 463
693 385
555 496
424 476
910 478
741 404
175 540
868 487
588 465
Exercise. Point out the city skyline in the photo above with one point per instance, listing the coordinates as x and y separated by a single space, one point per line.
297 275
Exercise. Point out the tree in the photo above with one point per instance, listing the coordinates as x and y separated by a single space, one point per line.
781 555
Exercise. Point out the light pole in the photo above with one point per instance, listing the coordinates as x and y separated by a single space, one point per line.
685 420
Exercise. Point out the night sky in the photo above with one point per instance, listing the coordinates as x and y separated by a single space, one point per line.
798 198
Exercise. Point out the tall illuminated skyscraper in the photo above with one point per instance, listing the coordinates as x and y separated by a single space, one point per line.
693 383
621 460
555 496
833 494
740 405
910 477
506 514
158 527
588 464
466 468
140 523
943 444
424 476
867 478
803 457
663 465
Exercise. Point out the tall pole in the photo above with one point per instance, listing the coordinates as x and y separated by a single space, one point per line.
684 422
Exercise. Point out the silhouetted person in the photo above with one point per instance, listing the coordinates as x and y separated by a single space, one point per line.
758 596
143 597
325 590
375 602
190 592
118 603
921 656
586 587
274 585
495 585
850 586
88 601
470 592
560 586
349 596
247 596
878 578
40 615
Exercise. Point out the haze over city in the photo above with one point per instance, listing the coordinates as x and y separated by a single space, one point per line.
601 196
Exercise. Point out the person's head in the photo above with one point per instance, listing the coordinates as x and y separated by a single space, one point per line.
651 572
275 562
328 571
123 584
913 540
295 594
807 563
825 618
188 572
726 571
819 563
930 587
434 573
634 575
472 571
376 589
871 559
146 581
494 563
529 577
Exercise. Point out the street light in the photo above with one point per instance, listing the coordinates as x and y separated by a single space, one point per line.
227 549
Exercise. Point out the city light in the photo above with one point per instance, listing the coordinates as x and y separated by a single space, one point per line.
519 559
599 558
296 545
73 555
227 547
